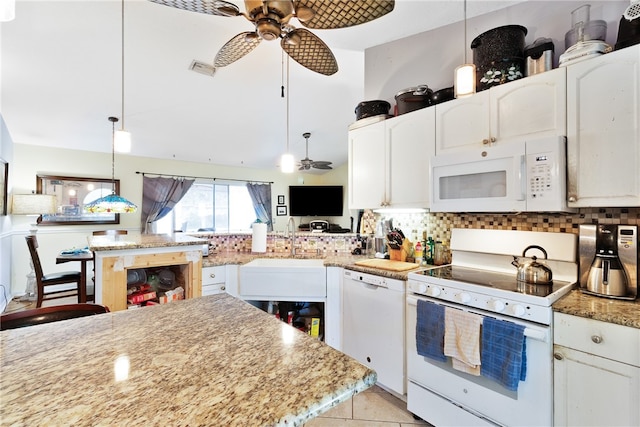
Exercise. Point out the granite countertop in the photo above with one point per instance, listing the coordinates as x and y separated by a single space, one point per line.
214 360
338 260
141 241
621 312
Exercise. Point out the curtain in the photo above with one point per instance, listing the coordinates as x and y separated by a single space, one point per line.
159 196
261 197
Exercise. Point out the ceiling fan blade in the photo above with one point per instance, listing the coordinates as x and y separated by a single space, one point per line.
236 48
310 52
209 7
330 14
321 165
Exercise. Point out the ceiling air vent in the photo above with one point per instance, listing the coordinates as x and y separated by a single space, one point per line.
202 68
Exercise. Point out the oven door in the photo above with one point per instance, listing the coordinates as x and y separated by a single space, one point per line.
489 181
444 396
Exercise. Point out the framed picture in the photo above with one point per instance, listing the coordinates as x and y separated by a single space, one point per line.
281 199
72 193
281 210
4 177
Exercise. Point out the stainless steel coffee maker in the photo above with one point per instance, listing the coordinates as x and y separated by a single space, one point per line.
609 260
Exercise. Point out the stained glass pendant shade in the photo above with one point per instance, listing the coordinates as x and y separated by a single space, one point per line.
112 203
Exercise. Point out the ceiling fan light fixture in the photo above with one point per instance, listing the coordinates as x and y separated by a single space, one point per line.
268 29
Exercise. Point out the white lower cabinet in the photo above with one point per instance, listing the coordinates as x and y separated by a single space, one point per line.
213 280
596 373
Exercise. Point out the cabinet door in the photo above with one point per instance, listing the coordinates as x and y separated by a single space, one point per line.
213 280
594 391
411 139
462 123
603 130
535 107
367 167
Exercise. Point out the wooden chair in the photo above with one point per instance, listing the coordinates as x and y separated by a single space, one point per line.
37 316
45 280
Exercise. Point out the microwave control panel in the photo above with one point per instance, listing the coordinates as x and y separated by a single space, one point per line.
545 169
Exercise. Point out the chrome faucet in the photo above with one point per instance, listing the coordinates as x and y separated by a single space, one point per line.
291 233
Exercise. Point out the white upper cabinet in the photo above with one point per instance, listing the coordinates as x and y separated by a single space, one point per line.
529 108
603 130
389 162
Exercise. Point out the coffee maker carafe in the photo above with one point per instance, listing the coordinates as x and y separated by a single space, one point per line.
609 260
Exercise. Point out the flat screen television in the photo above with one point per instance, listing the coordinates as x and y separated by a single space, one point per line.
315 200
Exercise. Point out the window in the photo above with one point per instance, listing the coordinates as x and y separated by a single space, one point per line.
211 207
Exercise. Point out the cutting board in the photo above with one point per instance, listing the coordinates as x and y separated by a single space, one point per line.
387 264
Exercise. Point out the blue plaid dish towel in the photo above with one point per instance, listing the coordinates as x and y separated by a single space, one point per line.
503 352
430 330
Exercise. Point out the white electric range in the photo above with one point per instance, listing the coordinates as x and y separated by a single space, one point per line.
482 280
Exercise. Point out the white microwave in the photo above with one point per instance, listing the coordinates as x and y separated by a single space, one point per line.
514 177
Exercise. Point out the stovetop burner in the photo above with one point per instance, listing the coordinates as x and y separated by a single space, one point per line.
492 279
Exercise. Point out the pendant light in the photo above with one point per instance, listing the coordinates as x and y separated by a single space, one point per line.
122 137
7 10
287 162
111 203
464 80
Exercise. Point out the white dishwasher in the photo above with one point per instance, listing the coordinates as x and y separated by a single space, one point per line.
373 326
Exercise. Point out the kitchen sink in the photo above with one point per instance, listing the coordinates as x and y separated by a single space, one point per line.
285 278
285 263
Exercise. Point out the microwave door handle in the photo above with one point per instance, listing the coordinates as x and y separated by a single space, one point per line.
522 177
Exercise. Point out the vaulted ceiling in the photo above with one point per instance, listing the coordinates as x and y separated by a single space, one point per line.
61 79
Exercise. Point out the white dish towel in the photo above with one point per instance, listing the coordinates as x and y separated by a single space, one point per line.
462 340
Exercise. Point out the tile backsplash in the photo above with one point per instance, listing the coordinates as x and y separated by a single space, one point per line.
437 225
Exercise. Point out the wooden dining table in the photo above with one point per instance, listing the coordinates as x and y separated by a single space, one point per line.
82 257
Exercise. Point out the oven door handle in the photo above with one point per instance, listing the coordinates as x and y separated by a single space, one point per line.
534 334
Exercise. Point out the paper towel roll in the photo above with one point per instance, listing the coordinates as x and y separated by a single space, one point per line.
259 239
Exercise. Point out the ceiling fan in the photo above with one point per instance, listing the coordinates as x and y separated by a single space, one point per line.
307 163
271 20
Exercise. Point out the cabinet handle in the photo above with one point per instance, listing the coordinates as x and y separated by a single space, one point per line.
493 139
485 141
596 339
212 275
573 199
558 356
223 288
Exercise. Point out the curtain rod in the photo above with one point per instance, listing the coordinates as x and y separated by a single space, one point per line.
204 177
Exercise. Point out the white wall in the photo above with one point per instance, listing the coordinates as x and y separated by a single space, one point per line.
431 57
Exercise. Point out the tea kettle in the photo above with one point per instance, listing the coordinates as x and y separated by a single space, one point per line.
532 272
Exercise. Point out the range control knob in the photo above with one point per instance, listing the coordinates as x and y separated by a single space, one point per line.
496 305
422 288
434 291
464 297
518 310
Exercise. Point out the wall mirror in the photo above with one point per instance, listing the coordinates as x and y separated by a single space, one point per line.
72 193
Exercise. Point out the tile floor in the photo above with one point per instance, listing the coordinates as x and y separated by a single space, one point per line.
373 407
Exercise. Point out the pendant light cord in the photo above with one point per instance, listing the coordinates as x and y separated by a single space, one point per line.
288 93
465 32
122 71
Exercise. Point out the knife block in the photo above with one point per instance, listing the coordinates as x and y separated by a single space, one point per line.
402 253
